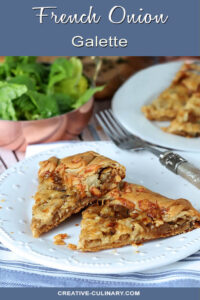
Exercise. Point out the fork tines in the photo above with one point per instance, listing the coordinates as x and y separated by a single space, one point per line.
111 125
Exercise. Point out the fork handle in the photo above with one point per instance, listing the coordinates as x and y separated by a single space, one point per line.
181 166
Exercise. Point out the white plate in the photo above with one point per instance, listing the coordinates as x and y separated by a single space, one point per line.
140 90
18 184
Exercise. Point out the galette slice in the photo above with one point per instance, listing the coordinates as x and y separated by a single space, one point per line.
86 174
133 215
52 208
167 104
189 76
68 185
186 129
187 122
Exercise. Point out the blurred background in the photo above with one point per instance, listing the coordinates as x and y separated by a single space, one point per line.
77 123
114 70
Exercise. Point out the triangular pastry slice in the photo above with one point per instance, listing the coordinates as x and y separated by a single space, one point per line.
168 103
187 122
85 174
53 207
133 214
68 185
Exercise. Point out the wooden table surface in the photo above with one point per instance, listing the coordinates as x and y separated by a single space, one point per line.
92 132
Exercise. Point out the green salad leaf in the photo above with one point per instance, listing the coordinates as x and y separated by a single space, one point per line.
25 80
25 109
20 59
65 102
35 106
12 62
35 71
30 90
66 77
9 92
46 105
87 95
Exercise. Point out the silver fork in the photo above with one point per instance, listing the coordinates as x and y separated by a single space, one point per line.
127 141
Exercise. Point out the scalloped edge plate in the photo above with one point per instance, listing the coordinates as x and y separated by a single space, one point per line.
140 90
19 183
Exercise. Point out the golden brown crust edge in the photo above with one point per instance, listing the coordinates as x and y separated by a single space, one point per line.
37 231
141 198
155 206
72 176
123 244
74 173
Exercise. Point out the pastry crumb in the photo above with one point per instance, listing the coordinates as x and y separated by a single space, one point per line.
59 242
3 200
76 224
1 207
59 238
72 247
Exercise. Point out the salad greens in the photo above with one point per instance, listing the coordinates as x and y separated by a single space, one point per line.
31 91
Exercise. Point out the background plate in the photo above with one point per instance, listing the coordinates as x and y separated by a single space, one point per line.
18 184
140 90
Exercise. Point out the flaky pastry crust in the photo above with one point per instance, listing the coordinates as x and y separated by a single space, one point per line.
179 103
187 121
168 103
132 215
68 185
85 174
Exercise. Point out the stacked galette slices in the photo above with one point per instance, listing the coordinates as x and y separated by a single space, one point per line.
179 103
116 213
